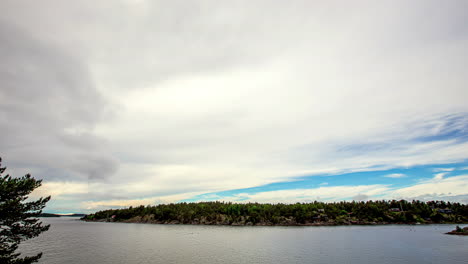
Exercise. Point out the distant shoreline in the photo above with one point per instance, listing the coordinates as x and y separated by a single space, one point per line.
299 214
140 221
61 215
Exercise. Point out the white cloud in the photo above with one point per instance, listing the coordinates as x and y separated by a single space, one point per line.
332 193
443 169
237 95
58 189
440 176
395 175
121 203
434 188
450 189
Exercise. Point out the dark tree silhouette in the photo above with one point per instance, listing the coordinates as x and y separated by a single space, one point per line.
18 220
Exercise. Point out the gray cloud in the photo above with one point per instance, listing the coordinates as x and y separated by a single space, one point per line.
48 109
439 197
360 197
153 41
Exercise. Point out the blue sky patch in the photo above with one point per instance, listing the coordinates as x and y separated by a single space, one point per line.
396 178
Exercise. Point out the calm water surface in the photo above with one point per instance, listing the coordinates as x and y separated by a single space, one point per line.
72 241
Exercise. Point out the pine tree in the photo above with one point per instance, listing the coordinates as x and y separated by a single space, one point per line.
18 220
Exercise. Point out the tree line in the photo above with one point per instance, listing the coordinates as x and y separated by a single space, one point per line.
18 216
227 213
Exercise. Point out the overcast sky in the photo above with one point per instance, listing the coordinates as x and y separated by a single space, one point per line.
118 103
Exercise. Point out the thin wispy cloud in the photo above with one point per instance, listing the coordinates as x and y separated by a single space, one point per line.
440 176
443 169
395 175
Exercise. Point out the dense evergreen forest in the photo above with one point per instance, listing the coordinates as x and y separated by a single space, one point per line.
315 213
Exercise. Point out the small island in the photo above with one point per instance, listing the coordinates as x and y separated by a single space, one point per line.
459 231
299 214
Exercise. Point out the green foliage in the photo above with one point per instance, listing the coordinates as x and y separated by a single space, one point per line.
289 214
17 217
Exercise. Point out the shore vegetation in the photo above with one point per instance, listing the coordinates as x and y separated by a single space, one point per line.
314 213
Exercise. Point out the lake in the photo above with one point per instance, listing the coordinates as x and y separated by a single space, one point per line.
72 241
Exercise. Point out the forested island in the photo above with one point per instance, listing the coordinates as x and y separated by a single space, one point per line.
314 213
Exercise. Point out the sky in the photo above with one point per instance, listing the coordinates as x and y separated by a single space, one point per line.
130 102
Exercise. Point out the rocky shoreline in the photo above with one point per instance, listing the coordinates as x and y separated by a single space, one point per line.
299 214
459 231
245 222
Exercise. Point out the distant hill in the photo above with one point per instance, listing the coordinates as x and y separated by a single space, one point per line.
60 215
48 215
